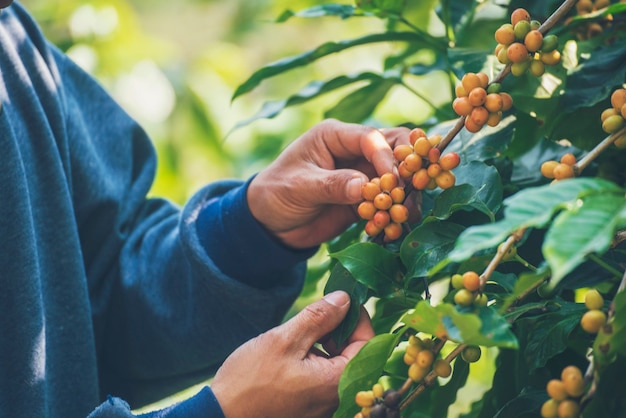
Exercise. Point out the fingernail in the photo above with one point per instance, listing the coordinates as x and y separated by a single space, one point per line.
353 189
338 298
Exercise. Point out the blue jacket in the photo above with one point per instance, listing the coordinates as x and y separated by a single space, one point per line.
106 294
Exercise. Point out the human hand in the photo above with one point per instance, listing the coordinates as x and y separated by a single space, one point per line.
282 374
307 195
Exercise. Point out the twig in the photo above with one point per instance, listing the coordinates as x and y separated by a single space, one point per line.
503 249
594 153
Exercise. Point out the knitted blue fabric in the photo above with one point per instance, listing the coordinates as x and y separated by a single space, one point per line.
104 291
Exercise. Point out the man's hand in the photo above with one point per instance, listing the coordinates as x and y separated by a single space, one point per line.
306 196
281 373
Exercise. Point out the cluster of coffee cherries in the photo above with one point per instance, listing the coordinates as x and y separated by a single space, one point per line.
521 44
420 358
595 318
564 394
422 163
383 207
378 403
468 291
613 117
480 102
559 170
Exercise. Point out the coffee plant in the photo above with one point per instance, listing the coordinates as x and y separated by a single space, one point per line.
508 265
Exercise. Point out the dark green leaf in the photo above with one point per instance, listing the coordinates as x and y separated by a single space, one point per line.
389 311
363 371
527 404
373 266
328 48
341 279
427 245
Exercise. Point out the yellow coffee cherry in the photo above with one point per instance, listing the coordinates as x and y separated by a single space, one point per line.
442 368
593 299
592 321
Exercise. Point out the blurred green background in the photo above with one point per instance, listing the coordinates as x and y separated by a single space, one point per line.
175 65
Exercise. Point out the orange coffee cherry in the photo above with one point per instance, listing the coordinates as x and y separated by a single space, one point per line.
519 15
422 146
568 158
618 99
556 390
445 179
472 126
420 179
393 231
449 161
381 219
563 171
470 81
397 194
494 119
399 213
504 34
593 320
517 53
433 155
507 101
388 181
370 190
401 151
533 41
413 161
433 170
477 96
403 170
462 106
383 201
371 229
471 281
415 134
493 102
547 168
442 368
479 115
366 210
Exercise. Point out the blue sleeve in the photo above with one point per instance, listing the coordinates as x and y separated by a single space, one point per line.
244 239
202 405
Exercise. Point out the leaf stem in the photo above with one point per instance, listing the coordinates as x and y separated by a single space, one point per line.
599 261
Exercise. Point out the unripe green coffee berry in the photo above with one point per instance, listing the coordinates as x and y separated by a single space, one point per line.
521 29
550 42
613 124
471 353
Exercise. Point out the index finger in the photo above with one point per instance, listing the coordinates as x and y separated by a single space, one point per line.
349 140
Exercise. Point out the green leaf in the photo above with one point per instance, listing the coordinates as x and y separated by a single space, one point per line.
586 226
478 187
548 334
485 327
532 207
382 7
328 48
427 245
311 91
389 311
343 11
360 104
341 279
363 371
373 266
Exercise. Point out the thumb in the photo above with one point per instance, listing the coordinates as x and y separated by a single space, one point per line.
341 186
317 319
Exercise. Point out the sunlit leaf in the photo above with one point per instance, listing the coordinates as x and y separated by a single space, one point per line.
533 207
485 327
363 371
343 11
586 226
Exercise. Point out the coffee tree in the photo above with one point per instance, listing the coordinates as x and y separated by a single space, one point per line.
500 238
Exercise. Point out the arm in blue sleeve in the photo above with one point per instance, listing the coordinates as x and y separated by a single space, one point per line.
244 239
202 405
